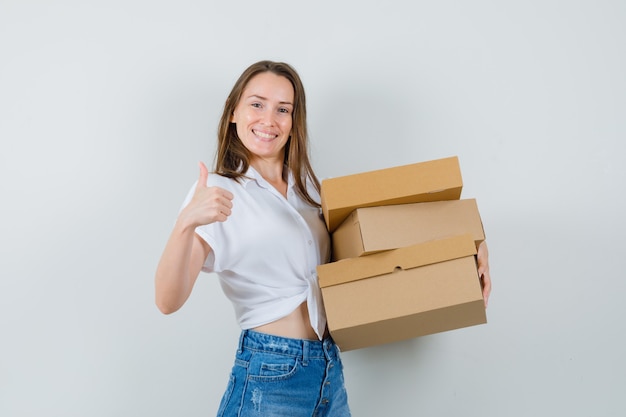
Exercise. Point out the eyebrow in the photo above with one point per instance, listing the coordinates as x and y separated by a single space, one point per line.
265 99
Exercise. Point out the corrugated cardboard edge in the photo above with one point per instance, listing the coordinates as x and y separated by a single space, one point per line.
381 263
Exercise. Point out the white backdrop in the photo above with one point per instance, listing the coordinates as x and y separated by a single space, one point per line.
106 108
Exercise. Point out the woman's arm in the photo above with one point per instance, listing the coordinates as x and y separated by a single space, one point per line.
179 267
185 252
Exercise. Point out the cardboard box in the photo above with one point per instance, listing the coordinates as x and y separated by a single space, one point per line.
374 229
404 293
434 180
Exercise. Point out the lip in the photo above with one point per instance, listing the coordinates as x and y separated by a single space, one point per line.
264 136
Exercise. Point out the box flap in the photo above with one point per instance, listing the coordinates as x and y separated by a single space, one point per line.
347 239
408 257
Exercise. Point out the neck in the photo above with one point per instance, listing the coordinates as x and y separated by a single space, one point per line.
271 170
273 173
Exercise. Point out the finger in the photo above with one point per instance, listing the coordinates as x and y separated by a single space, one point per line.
223 203
486 284
227 197
223 213
226 210
221 197
221 217
204 175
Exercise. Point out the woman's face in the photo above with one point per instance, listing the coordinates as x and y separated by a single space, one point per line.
264 115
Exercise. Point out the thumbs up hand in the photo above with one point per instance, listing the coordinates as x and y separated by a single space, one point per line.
208 204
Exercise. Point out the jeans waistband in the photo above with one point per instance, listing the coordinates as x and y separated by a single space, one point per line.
301 348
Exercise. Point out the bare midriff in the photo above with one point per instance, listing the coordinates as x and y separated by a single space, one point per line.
296 325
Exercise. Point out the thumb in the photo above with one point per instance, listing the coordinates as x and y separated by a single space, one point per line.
204 175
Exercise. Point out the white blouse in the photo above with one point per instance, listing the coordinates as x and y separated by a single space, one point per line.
266 253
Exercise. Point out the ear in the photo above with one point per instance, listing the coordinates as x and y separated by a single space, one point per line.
232 117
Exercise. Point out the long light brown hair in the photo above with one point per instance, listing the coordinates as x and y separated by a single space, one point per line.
233 158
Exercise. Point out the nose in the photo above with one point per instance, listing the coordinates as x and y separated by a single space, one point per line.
267 117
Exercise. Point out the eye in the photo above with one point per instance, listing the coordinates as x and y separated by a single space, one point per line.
284 110
256 105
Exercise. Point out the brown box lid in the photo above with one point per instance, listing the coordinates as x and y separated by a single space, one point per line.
434 180
374 229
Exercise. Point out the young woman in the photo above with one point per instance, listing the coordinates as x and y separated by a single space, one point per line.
256 222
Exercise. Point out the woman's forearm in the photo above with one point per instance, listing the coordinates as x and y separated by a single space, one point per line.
178 268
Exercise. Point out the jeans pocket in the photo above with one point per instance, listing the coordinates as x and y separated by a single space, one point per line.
272 367
276 369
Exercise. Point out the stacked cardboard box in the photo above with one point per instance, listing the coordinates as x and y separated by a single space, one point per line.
404 247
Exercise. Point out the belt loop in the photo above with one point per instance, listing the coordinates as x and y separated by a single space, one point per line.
305 352
329 349
241 337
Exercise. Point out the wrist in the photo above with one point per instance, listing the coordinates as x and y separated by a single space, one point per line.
184 223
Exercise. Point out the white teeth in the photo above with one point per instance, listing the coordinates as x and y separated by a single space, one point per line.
264 135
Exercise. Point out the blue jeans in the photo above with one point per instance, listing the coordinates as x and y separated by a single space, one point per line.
276 376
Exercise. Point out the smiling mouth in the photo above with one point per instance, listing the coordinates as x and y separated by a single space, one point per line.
263 135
